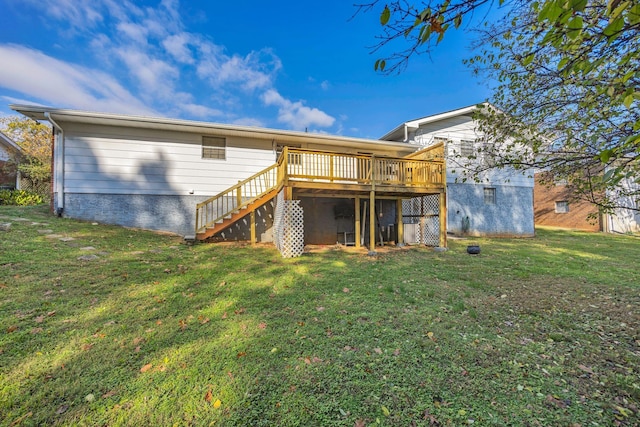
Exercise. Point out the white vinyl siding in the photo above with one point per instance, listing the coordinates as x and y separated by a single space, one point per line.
129 161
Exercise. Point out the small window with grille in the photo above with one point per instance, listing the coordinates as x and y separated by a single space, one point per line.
214 147
562 206
466 148
489 196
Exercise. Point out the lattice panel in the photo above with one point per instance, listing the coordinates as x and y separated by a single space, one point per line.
289 227
424 211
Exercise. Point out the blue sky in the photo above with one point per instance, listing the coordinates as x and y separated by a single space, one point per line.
285 65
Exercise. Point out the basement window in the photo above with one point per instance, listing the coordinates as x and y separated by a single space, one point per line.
562 206
489 196
214 147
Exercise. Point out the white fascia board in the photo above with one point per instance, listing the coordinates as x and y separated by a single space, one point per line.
64 115
415 124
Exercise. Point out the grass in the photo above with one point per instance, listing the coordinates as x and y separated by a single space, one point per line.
127 327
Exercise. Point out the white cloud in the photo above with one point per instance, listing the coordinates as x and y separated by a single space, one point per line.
325 85
136 33
296 114
58 83
200 111
177 46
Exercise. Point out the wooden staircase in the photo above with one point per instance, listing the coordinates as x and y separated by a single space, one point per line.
224 209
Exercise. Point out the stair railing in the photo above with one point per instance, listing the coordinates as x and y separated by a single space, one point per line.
235 198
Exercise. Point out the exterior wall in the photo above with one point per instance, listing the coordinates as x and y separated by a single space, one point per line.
511 215
625 220
150 179
545 199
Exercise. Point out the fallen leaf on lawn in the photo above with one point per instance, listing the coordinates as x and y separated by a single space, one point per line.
167 270
86 347
39 319
137 340
262 325
241 354
307 361
203 319
146 367
137 349
345 290
208 396
430 336
217 404
183 324
222 283
300 323
240 310
36 331
320 308
555 402
51 313
359 423
3 286
316 360
62 409
224 315
396 352
12 328
231 377
158 322
377 350
109 394
586 369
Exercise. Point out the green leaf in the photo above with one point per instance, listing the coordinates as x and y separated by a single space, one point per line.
628 100
385 411
614 27
528 59
605 155
457 20
385 16
563 62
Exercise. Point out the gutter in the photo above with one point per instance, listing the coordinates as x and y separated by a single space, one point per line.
58 150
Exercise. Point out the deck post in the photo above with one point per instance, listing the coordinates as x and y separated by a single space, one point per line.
253 227
357 214
443 219
372 220
239 196
400 226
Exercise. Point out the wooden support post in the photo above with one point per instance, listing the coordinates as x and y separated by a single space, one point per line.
288 193
372 220
239 196
400 226
357 214
443 219
253 228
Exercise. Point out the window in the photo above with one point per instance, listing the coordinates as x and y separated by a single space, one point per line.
561 181
562 206
437 139
489 196
466 148
214 147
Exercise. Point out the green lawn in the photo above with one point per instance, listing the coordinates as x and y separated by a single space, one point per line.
126 327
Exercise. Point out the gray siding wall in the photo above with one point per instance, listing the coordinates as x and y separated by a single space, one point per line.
512 214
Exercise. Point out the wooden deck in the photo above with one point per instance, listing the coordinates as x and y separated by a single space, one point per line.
313 173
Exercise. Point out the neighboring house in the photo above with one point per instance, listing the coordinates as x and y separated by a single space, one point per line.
625 220
555 206
214 181
499 204
9 150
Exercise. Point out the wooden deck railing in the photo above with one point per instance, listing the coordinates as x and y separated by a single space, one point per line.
310 165
237 197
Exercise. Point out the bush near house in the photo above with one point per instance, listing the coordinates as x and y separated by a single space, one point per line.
20 198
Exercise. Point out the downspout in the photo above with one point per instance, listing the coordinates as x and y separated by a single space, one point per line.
59 162
406 133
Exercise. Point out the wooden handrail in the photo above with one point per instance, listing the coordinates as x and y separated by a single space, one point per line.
237 197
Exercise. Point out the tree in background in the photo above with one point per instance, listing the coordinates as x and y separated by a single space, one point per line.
567 98
35 140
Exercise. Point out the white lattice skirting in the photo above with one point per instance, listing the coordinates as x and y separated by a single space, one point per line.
288 227
424 210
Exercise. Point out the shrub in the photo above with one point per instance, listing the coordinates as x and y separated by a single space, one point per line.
20 198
